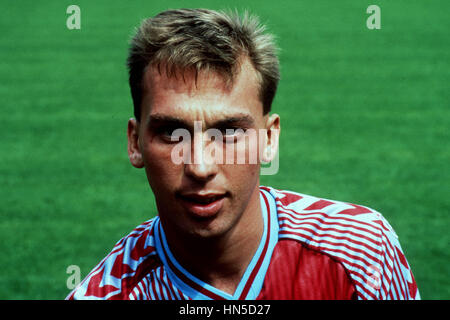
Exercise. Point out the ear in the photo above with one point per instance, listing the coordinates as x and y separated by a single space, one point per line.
272 138
134 153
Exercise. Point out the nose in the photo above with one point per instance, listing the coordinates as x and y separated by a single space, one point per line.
203 168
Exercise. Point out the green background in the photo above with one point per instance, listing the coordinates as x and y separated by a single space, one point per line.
364 113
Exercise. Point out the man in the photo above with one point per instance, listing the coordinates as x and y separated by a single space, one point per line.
218 233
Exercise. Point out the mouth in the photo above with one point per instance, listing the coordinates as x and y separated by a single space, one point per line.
202 205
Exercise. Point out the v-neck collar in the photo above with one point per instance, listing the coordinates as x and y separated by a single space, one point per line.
251 282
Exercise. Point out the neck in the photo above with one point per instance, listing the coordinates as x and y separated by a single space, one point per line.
222 260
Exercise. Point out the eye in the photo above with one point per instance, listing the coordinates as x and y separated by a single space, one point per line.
169 134
168 131
165 131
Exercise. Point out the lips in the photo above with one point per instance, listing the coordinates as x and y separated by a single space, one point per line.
202 205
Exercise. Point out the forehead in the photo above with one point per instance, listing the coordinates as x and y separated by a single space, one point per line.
204 95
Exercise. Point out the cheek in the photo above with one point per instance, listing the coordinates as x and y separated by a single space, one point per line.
159 167
242 178
249 147
243 173
244 152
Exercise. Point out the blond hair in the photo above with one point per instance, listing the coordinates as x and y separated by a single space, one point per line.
201 39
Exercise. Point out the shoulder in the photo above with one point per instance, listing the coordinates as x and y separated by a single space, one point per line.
321 214
359 237
115 276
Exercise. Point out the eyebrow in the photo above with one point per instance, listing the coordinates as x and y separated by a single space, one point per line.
243 120
160 119
235 119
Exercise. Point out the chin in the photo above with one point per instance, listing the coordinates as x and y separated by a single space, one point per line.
207 229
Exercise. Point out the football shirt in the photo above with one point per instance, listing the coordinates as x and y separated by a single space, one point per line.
311 248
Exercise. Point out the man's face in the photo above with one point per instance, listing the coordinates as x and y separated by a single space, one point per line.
200 198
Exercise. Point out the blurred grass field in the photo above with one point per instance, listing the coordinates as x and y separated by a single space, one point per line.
365 118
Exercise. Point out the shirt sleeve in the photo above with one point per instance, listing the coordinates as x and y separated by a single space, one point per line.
395 281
